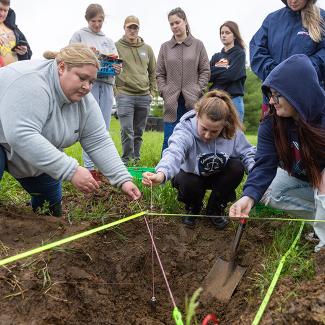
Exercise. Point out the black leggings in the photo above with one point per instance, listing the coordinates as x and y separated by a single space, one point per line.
191 187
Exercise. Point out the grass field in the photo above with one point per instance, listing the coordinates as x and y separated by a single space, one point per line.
297 266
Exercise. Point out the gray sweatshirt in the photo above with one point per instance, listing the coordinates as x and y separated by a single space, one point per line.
37 122
98 40
188 152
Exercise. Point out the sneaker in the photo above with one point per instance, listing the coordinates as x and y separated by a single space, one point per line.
319 247
189 221
217 216
220 222
312 237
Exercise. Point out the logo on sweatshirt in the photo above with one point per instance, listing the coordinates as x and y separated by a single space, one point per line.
222 63
303 32
211 163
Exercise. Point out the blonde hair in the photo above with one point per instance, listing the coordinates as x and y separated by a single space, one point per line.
74 55
312 21
218 106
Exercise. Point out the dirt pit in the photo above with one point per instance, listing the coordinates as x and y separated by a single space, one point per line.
107 278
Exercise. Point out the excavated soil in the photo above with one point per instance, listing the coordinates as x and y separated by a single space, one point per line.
107 278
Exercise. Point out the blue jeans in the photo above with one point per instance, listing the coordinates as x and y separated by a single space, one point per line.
297 198
239 103
170 126
104 96
132 112
42 188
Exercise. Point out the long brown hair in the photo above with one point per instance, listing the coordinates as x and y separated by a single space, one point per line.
311 139
180 13
235 30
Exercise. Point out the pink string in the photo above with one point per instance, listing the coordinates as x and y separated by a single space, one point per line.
160 264
152 264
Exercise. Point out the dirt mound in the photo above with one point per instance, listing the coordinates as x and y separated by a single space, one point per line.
107 278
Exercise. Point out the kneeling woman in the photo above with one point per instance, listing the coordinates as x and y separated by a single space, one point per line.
291 136
45 107
207 150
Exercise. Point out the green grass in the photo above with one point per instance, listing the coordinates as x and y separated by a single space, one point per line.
298 265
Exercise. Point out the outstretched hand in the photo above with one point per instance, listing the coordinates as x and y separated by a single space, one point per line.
131 190
84 181
154 179
242 207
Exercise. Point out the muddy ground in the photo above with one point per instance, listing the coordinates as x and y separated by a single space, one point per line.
107 278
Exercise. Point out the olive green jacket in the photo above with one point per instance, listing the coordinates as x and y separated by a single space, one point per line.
138 76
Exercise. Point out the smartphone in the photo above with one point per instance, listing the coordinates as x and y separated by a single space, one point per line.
19 43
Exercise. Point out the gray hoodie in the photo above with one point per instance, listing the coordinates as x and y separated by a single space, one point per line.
98 40
188 152
37 122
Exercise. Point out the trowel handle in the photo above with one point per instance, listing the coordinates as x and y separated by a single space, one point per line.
243 221
210 318
239 232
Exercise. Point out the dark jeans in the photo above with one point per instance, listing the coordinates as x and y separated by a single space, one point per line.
42 188
191 187
169 127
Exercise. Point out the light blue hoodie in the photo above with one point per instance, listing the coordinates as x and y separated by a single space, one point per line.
188 152
98 40
37 121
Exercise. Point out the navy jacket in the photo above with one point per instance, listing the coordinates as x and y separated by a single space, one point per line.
230 78
280 36
10 22
296 80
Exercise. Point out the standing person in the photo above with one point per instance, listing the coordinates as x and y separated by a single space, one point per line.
228 71
207 150
291 136
298 28
183 71
102 88
135 87
13 43
45 106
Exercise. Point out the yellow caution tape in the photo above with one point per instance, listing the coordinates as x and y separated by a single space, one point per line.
68 239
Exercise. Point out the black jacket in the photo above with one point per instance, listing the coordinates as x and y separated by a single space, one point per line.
10 22
230 77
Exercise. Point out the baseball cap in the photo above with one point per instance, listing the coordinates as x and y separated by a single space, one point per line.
131 20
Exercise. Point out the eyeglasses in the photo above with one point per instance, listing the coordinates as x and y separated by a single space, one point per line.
275 98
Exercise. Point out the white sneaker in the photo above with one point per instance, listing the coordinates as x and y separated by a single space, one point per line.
312 237
319 247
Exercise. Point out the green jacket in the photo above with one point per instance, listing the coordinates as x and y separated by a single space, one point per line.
138 76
